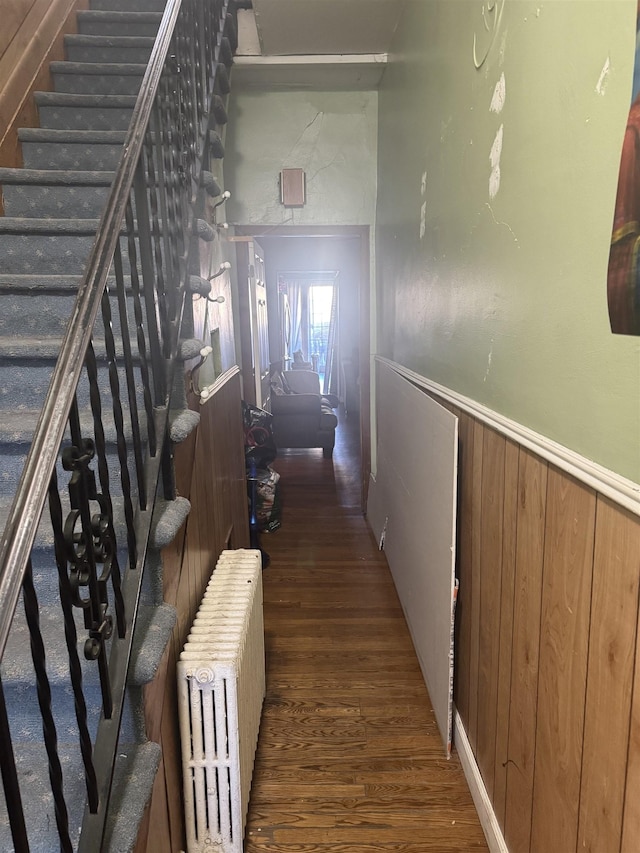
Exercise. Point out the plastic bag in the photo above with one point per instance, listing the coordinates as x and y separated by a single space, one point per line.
268 504
259 444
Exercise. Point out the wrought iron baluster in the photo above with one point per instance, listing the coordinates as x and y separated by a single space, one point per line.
172 225
155 297
189 113
10 783
32 612
101 448
209 43
168 168
199 66
71 637
217 12
128 357
85 546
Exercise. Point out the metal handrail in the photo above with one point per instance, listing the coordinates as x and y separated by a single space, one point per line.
20 530
18 537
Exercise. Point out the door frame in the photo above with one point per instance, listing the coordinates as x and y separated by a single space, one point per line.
363 232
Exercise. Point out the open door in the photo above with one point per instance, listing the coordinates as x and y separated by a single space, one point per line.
253 321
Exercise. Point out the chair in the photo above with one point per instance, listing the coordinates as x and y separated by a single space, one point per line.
302 417
299 363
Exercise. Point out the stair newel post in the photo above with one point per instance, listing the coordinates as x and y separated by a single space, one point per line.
103 467
149 196
71 638
32 613
142 349
10 783
87 540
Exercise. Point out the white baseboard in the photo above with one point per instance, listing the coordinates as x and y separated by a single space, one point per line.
481 799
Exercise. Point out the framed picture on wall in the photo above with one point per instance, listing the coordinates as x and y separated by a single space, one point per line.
623 274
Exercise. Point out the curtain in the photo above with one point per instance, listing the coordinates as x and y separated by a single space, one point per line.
294 291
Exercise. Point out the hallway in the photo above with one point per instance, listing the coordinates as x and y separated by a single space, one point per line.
349 759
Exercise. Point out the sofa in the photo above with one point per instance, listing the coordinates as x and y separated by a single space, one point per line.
302 417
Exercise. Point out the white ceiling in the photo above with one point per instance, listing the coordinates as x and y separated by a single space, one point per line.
315 44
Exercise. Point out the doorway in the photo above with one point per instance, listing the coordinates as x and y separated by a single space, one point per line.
309 318
341 256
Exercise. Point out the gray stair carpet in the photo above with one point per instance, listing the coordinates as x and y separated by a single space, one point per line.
52 211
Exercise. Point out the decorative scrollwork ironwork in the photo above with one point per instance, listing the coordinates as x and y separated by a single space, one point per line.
89 544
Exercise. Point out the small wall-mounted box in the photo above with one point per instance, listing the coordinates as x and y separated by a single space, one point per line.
292 187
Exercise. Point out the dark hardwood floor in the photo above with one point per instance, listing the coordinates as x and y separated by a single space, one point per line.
349 758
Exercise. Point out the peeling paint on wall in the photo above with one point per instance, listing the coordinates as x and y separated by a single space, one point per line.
494 157
489 360
499 95
601 85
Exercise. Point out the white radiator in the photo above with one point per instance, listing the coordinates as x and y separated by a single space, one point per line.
221 686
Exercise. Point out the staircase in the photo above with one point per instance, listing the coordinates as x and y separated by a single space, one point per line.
53 208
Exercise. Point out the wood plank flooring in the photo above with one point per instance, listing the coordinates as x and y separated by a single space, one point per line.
349 758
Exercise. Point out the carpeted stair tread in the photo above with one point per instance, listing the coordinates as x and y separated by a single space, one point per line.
24 383
63 99
125 5
153 628
16 426
46 284
109 41
62 136
19 226
61 110
48 246
30 245
110 23
18 318
55 177
52 193
17 664
22 348
88 48
71 149
98 77
46 349
97 69
39 284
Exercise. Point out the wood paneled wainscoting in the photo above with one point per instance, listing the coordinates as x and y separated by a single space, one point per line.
210 472
547 685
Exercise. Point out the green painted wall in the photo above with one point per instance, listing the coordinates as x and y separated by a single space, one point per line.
331 135
503 298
